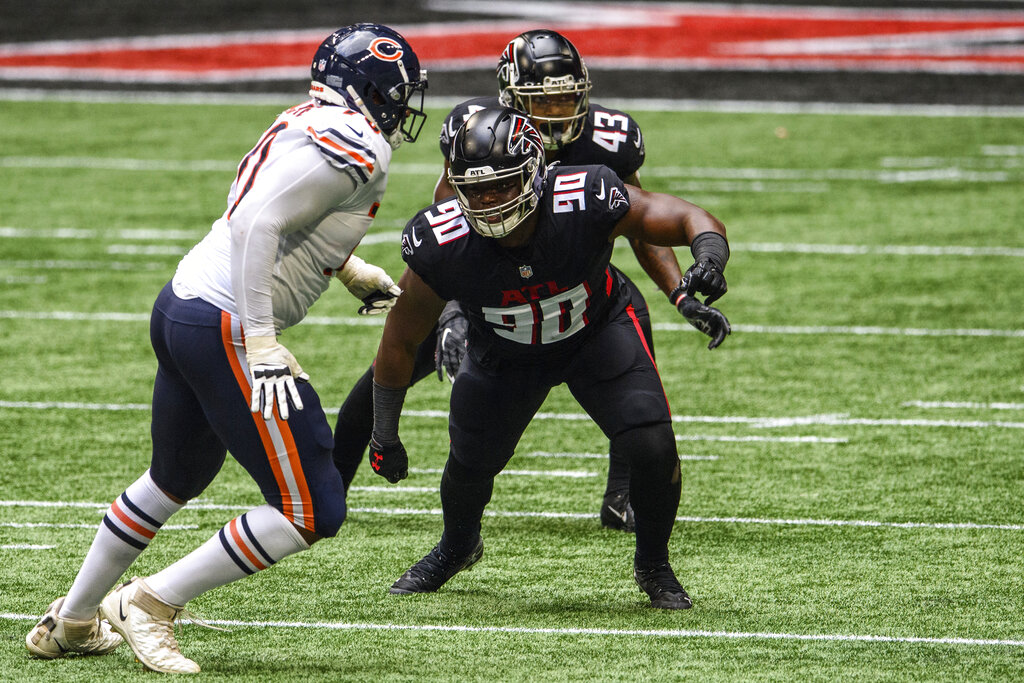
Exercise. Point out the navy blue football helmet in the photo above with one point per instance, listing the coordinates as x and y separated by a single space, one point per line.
372 68
541 72
496 166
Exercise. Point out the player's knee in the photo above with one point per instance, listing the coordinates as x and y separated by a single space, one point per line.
329 519
459 474
176 489
650 448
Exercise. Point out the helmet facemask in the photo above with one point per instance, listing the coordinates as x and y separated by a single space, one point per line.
542 74
398 119
566 93
371 68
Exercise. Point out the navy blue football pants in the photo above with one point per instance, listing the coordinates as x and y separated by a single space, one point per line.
201 411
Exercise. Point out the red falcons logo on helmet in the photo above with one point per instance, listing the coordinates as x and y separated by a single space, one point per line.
522 135
386 49
507 66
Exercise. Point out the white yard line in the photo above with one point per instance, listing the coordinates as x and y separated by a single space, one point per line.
147 250
596 632
599 456
949 173
763 439
26 546
434 512
858 330
885 176
751 421
874 249
447 102
964 404
719 520
569 474
48 525
67 264
395 236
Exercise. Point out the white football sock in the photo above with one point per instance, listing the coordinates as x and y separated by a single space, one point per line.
128 526
246 545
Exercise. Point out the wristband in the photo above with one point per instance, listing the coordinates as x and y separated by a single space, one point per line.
387 408
712 247
677 294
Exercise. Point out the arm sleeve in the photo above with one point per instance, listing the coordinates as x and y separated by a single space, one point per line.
297 191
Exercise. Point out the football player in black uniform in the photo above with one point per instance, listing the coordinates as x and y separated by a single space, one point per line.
525 249
540 73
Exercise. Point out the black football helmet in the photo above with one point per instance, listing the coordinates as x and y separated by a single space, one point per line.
372 68
544 64
497 155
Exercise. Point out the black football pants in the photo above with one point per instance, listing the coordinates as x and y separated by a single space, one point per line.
614 379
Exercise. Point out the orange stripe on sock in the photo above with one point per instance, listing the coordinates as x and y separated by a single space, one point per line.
242 377
131 523
233 528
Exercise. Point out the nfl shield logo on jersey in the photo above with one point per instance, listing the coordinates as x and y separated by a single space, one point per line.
525 272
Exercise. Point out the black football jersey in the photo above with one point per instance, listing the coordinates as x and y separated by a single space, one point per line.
540 300
610 137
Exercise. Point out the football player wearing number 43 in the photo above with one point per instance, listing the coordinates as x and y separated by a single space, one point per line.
301 202
525 249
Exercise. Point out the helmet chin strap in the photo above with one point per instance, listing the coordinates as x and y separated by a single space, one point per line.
394 138
351 99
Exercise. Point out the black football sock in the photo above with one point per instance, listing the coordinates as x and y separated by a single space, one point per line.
464 495
654 487
618 472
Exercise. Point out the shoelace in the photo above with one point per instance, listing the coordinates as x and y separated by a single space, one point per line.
434 563
165 631
187 616
663 577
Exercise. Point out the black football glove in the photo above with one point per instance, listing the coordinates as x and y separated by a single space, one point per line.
705 278
452 342
707 319
390 462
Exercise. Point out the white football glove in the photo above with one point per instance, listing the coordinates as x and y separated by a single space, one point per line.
371 284
273 370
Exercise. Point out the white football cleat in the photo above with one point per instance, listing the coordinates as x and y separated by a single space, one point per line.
55 637
147 624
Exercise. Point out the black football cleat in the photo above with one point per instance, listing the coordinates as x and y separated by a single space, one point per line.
436 567
660 584
617 513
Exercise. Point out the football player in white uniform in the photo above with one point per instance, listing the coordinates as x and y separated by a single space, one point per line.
302 200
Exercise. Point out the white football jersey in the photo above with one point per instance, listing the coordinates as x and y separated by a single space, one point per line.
301 201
